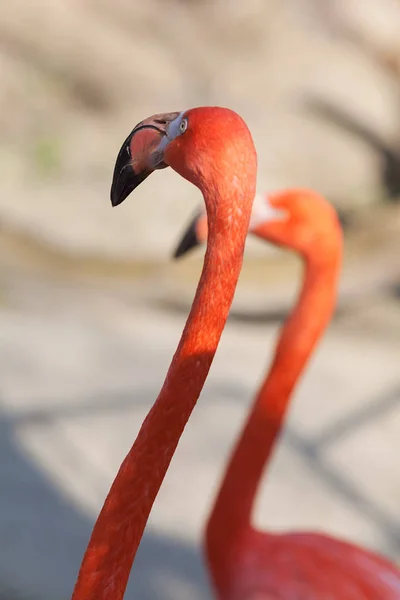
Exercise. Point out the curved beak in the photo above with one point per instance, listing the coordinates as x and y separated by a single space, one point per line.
192 237
141 153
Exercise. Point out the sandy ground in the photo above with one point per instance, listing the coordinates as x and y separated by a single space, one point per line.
80 365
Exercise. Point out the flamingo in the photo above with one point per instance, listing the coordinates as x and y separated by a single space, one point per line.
245 563
213 149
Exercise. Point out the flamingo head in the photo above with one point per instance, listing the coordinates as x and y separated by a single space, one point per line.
206 145
298 219
308 223
196 232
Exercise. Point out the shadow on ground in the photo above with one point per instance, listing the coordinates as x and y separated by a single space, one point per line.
43 537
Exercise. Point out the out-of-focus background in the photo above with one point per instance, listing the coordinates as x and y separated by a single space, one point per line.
91 307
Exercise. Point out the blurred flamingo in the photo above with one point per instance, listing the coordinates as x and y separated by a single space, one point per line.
211 147
245 563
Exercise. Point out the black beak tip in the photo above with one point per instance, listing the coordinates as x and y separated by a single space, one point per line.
178 253
118 194
124 183
116 199
188 242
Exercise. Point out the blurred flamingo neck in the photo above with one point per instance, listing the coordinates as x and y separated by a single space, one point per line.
232 511
117 533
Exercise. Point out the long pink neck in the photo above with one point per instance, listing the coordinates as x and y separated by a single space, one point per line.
231 515
118 530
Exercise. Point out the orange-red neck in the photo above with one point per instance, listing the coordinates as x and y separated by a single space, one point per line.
231 515
117 533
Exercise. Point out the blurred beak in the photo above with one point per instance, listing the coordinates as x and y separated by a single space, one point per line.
140 155
191 237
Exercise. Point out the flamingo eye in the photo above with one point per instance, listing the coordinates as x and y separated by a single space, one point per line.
183 126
